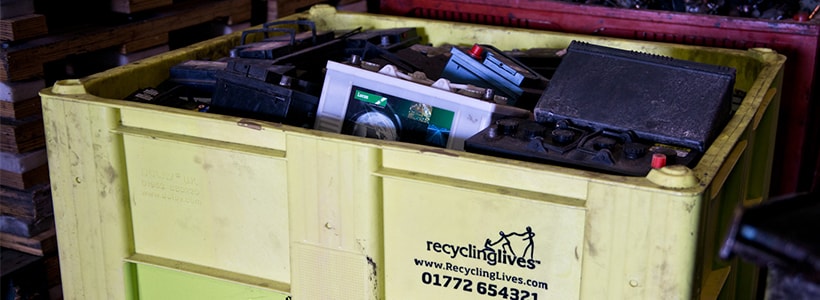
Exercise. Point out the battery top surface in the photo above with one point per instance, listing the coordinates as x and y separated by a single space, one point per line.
659 98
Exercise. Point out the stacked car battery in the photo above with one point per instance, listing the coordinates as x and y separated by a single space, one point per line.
587 106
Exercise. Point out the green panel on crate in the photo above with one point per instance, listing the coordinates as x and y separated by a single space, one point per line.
165 283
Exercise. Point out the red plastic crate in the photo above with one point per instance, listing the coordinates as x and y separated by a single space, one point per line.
796 162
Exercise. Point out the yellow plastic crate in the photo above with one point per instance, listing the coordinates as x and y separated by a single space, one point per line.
157 202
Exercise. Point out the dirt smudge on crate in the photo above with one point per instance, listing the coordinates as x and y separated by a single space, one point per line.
184 225
55 127
592 251
503 191
111 174
670 287
374 275
688 206
205 165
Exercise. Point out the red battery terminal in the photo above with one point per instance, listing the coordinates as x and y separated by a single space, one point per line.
658 160
477 52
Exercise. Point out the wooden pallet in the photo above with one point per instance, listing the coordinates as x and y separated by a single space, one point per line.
23 228
25 60
20 90
23 27
20 136
41 244
22 109
25 180
27 205
132 6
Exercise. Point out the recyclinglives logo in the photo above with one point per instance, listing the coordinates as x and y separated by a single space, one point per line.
510 248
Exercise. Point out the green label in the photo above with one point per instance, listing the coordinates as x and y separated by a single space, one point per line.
370 98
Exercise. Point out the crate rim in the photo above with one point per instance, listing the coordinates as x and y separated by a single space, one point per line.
705 172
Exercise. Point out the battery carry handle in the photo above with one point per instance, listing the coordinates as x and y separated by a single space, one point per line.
268 27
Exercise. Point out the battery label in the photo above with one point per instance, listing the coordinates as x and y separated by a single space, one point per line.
370 98
387 117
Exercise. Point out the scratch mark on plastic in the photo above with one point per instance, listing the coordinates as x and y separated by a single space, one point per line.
440 151
249 124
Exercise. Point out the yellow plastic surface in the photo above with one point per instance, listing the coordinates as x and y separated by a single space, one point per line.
154 201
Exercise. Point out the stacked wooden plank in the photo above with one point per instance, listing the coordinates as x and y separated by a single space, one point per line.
47 41
44 42
26 215
59 40
145 30
18 20
132 6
